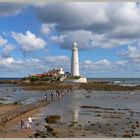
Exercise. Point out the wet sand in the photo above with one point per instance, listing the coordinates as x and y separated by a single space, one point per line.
8 107
99 114
12 129
116 126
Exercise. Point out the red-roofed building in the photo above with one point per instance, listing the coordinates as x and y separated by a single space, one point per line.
52 73
39 75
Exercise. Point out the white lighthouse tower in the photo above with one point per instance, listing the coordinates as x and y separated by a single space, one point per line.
74 61
75 67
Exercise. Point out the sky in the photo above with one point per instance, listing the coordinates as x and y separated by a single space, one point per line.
35 37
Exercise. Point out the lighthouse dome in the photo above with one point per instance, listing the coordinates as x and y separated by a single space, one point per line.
75 46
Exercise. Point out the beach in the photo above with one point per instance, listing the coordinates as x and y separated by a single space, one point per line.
83 112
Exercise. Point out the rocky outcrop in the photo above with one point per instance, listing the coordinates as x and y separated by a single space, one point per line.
52 118
10 81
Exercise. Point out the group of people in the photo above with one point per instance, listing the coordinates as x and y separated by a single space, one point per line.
59 93
56 94
26 124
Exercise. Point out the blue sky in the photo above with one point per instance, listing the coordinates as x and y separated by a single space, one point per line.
37 37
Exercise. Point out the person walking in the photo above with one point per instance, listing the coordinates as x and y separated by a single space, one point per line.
46 97
30 122
51 96
22 123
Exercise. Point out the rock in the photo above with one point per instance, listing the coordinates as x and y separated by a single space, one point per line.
127 136
126 131
92 124
40 134
43 136
99 126
115 135
36 135
37 124
133 126
137 124
54 133
133 133
17 103
137 134
70 125
49 129
87 96
87 129
52 118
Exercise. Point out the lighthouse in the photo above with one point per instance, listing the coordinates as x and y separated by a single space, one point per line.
74 61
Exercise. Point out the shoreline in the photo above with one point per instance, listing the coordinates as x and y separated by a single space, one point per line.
90 85
99 86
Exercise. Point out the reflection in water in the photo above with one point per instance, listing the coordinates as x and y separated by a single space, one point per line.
75 115
75 104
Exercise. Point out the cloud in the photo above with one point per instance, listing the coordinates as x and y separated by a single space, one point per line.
73 15
57 59
102 65
32 65
2 41
132 54
92 24
9 63
29 42
66 40
7 9
87 40
47 28
12 65
7 49
33 60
